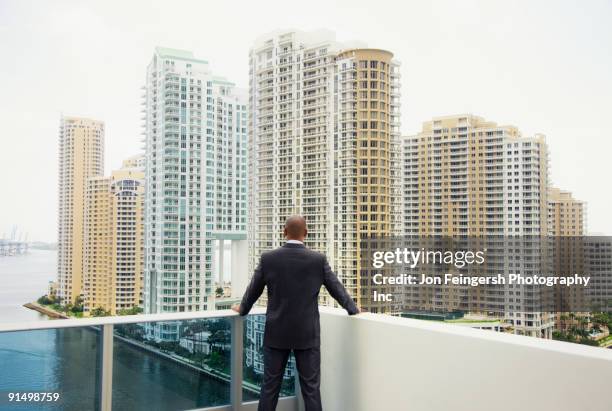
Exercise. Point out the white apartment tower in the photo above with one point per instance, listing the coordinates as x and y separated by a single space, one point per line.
196 192
465 176
323 143
81 156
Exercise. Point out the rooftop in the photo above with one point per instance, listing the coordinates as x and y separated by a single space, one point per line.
178 54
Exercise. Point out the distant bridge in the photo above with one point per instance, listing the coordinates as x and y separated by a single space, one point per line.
13 245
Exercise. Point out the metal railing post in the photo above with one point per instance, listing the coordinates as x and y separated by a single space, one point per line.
106 391
236 362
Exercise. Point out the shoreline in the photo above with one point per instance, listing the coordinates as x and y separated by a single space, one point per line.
211 372
54 315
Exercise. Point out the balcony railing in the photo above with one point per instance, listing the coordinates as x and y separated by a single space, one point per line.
94 365
369 362
379 362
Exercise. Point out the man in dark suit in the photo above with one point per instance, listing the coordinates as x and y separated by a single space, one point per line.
293 275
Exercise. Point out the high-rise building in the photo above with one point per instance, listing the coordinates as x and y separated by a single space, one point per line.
597 262
464 176
566 228
196 191
323 143
567 215
113 241
467 176
136 162
81 156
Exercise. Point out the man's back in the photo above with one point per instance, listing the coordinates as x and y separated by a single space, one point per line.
293 275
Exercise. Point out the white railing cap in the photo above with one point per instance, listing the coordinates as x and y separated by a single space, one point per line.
121 319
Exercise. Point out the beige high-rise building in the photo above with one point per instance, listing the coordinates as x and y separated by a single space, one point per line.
597 260
81 156
567 215
465 176
137 162
566 227
323 143
113 256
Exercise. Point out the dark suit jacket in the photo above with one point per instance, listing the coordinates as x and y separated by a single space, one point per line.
294 275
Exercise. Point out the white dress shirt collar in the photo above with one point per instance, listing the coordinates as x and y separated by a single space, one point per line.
294 242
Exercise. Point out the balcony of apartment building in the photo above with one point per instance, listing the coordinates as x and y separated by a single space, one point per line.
369 362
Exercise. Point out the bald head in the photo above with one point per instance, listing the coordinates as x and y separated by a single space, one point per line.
295 228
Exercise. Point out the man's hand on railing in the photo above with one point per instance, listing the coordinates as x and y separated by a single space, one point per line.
236 307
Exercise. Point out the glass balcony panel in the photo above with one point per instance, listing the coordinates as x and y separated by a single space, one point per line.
172 365
253 361
63 361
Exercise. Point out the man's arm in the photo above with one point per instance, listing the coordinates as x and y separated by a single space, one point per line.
253 291
337 290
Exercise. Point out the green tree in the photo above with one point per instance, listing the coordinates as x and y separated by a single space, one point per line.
99 312
45 300
78 305
219 339
130 311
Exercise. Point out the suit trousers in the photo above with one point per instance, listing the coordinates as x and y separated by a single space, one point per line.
308 363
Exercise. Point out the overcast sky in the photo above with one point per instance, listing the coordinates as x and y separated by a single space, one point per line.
544 66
